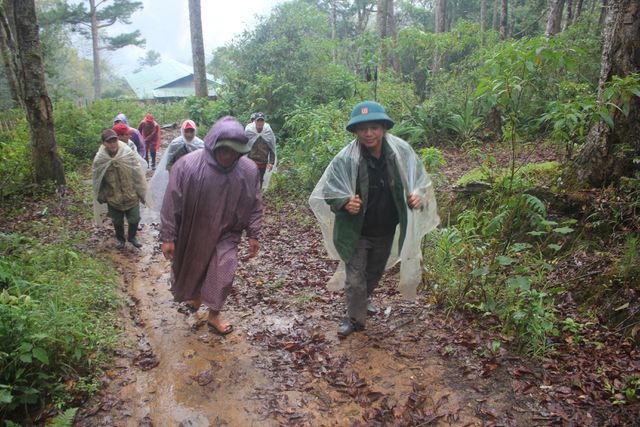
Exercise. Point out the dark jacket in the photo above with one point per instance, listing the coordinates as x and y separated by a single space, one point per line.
348 228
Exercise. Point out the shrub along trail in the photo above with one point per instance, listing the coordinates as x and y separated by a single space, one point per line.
284 365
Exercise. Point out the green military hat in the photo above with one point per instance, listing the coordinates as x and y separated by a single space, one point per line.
368 111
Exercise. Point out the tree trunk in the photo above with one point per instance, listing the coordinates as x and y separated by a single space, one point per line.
385 21
603 13
334 31
608 153
8 48
578 10
197 49
440 22
504 14
393 34
440 16
554 20
569 20
95 44
483 15
20 30
494 23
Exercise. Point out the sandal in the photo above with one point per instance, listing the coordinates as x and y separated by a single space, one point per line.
224 332
185 308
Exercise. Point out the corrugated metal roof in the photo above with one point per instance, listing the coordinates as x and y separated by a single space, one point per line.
148 81
177 92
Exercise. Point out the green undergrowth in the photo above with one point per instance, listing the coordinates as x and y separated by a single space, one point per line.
536 173
495 252
58 324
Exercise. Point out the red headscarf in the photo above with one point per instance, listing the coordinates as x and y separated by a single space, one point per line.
121 128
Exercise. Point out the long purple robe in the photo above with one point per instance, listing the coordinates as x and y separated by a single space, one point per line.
205 209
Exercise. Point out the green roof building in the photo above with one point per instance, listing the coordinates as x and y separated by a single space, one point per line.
166 81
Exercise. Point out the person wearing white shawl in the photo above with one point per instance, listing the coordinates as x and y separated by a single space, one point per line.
263 148
374 202
119 181
186 143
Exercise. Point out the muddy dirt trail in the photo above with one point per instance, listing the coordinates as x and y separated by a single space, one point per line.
284 364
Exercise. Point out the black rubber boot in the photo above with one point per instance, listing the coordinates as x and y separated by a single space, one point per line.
119 236
133 229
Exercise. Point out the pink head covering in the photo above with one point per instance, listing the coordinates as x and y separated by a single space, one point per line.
148 118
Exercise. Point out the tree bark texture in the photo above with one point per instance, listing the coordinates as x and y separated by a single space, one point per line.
608 153
8 47
578 9
385 21
440 26
20 31
569 19
334 30
95 44
197 49
603 12
494 22
483 15
504 15
440 16
554 21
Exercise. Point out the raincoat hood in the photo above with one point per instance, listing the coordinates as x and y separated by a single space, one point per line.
227 128
121 118
188 124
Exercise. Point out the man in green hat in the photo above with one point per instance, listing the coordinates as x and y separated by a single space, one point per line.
375 188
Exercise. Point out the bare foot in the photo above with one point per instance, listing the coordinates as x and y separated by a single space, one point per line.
217 324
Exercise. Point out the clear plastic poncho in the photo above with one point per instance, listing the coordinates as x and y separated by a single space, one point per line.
270 138
160 179
339 182
127 159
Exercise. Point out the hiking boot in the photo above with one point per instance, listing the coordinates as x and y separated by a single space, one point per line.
133 229
119 229
135 242
348 326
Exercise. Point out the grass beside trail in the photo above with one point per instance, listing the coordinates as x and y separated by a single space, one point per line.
58 319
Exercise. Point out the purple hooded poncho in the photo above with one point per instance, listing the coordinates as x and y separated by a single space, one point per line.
205 209
134 134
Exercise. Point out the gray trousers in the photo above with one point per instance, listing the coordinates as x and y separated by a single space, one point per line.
364 270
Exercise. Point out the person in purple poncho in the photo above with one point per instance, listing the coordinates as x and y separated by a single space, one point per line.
213 196
134 134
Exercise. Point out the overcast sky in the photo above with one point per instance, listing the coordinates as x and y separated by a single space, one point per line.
165 26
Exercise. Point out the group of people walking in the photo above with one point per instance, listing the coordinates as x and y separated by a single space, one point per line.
374 203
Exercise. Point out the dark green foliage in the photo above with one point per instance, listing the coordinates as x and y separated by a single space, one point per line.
78 134
57 321
318 134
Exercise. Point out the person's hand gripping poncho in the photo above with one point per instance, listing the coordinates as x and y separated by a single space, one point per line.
127 160
339 183
270 138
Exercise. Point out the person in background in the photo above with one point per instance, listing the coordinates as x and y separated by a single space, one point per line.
122 131
134 134
213 197
119 181
179 147
150 131
263 144
184 144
